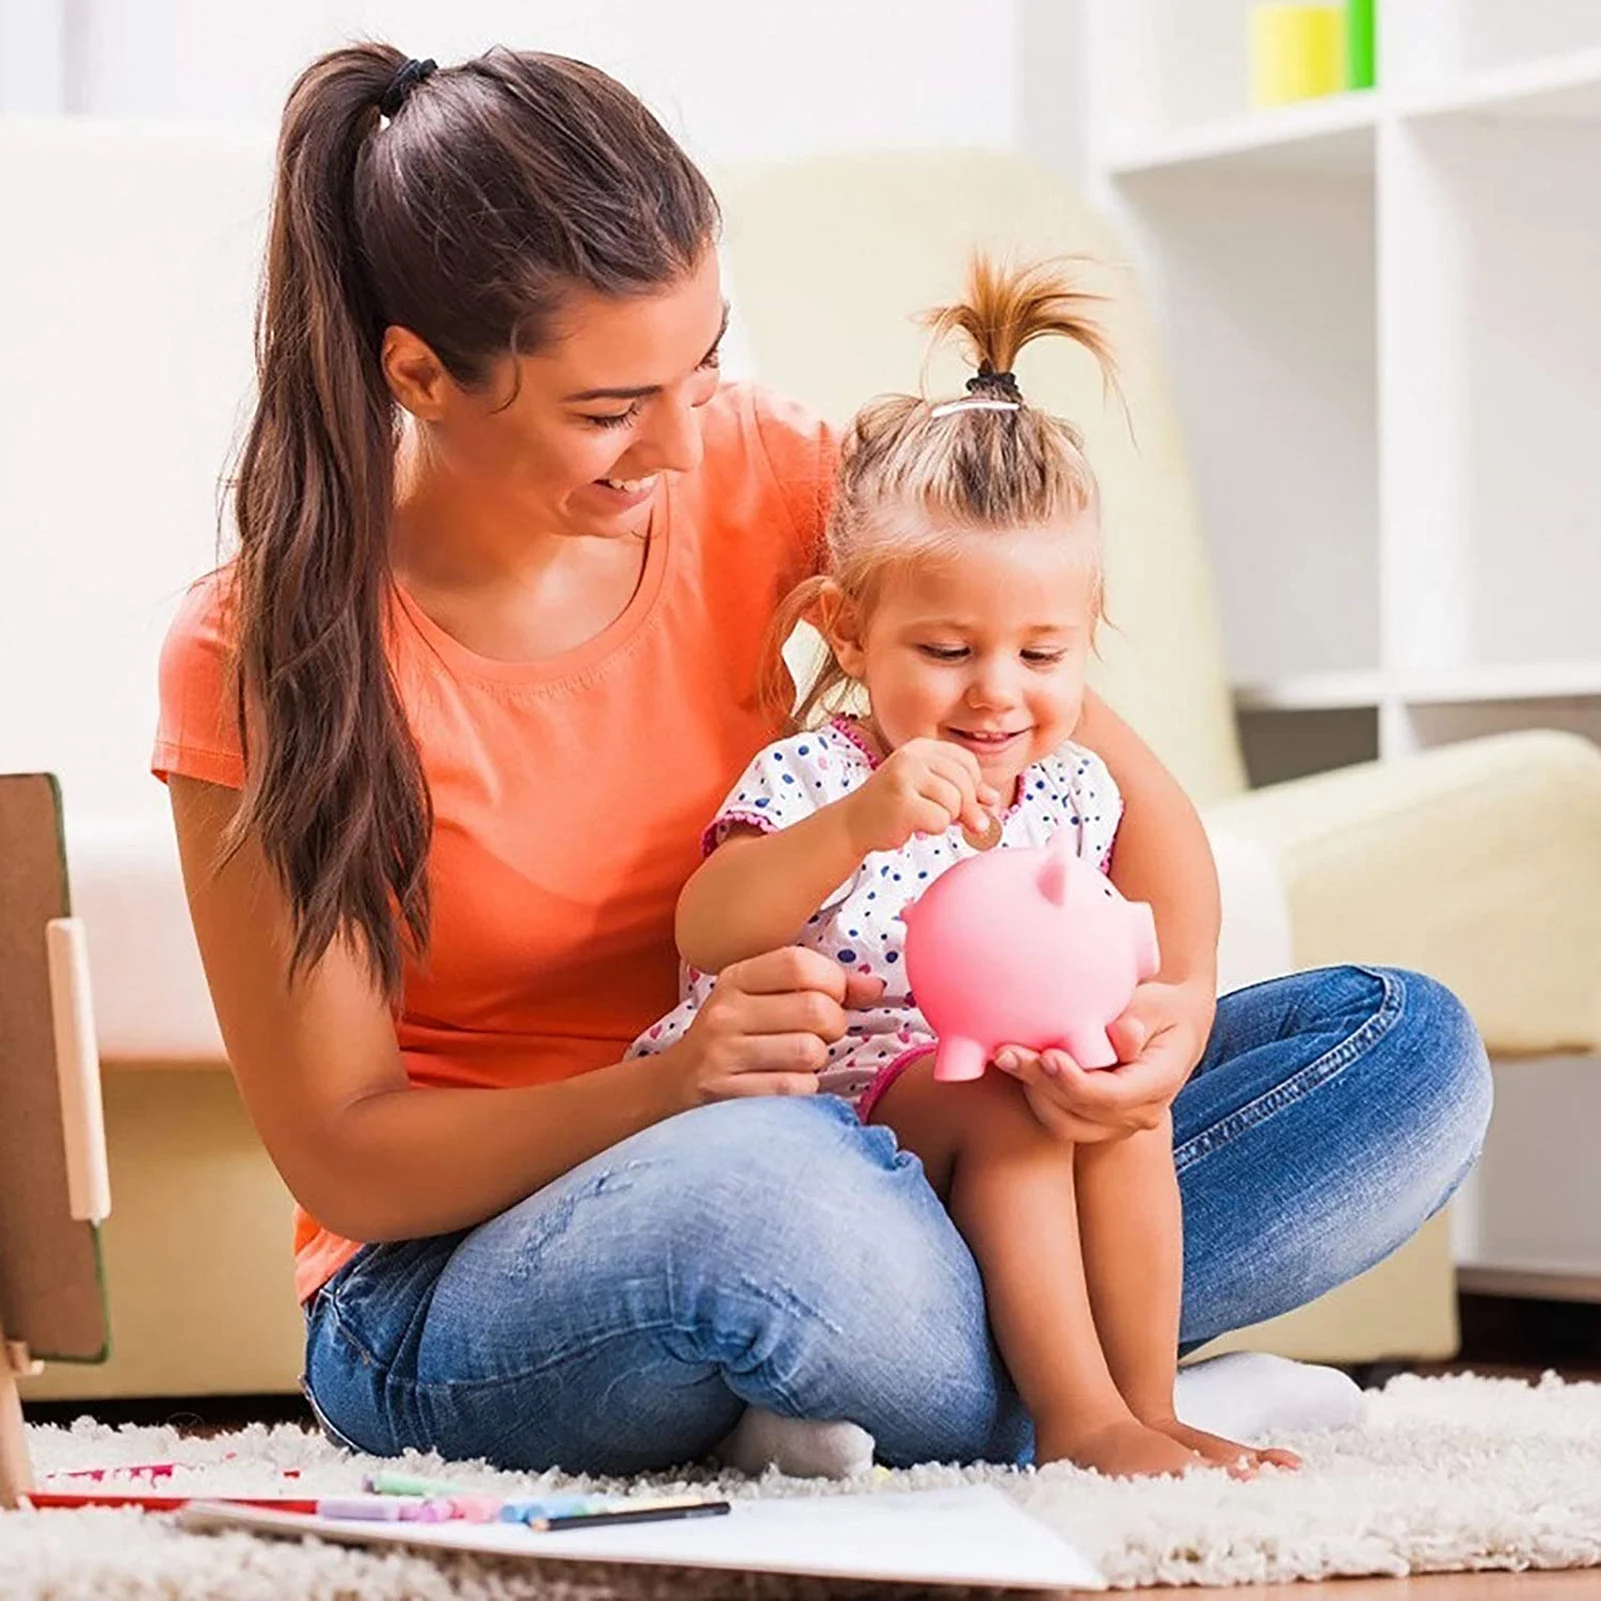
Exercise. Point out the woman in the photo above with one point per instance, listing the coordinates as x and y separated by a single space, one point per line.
441 742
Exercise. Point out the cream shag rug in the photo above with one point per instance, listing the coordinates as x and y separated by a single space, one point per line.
1443 1474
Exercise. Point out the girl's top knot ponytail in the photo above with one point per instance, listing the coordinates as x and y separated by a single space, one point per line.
986 381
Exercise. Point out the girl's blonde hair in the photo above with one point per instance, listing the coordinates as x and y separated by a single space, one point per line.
916 476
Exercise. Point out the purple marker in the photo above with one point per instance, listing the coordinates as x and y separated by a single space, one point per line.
366 1508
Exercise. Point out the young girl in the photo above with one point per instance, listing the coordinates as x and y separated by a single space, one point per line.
962 594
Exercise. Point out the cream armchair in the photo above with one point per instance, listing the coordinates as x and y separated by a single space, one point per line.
1477 863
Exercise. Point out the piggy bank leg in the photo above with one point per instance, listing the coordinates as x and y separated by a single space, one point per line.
1090 1047
959 1059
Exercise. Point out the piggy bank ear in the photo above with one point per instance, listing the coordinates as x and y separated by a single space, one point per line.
1053 875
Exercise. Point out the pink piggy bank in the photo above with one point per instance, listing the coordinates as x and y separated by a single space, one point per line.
1025 947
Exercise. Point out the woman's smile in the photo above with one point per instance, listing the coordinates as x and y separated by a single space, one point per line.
626 493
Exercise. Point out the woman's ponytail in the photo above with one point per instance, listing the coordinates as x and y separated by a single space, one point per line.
334 790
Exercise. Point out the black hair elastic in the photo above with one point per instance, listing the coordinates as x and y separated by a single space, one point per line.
987 381
403 82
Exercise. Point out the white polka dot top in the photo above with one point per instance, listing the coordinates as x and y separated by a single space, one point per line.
859 924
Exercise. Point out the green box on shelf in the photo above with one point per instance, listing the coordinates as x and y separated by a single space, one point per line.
1360 44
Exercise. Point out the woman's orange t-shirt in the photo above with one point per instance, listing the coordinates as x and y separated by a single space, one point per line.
569 795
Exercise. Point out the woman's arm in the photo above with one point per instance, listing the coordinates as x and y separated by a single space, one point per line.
1162 855
371 1158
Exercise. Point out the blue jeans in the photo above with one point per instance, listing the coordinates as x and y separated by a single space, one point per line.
777 1252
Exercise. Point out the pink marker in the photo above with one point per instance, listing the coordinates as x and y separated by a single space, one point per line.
475 1508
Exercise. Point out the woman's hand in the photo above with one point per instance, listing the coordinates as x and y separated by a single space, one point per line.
921 788
1159 1037
1041 1074
766 1027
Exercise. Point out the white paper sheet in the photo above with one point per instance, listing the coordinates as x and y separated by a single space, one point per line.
973 1535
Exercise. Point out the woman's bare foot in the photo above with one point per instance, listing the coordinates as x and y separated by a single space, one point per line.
1243 1461
1122 1449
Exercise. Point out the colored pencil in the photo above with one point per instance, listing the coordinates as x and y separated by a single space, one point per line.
579 1511
646 1514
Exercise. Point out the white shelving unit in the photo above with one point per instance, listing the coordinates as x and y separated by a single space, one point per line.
1383 313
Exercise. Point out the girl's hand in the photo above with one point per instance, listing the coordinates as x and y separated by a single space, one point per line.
1160 1036
766 1027
921 788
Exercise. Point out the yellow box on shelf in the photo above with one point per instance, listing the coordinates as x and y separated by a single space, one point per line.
1297 53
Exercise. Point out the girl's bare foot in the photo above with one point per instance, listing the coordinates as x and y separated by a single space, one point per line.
1122 1449
1243 1461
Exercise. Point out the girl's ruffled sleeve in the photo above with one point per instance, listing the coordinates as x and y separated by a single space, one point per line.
781 786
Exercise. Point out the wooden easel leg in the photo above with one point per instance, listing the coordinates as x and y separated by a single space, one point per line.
16 1471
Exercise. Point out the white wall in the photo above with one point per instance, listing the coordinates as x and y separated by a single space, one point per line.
735 79
31 55
1052 120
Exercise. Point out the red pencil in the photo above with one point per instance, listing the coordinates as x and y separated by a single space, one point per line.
54 1499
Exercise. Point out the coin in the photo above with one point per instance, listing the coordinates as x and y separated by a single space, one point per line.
989 839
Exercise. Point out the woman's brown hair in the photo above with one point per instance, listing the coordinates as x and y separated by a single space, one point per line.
918 475
495 189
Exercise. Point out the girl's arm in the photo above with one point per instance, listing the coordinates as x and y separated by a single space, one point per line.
755 891
1162 855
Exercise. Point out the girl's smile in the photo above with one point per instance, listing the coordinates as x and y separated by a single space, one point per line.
985 648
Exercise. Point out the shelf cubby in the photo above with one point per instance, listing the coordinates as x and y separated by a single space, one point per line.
1385 333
